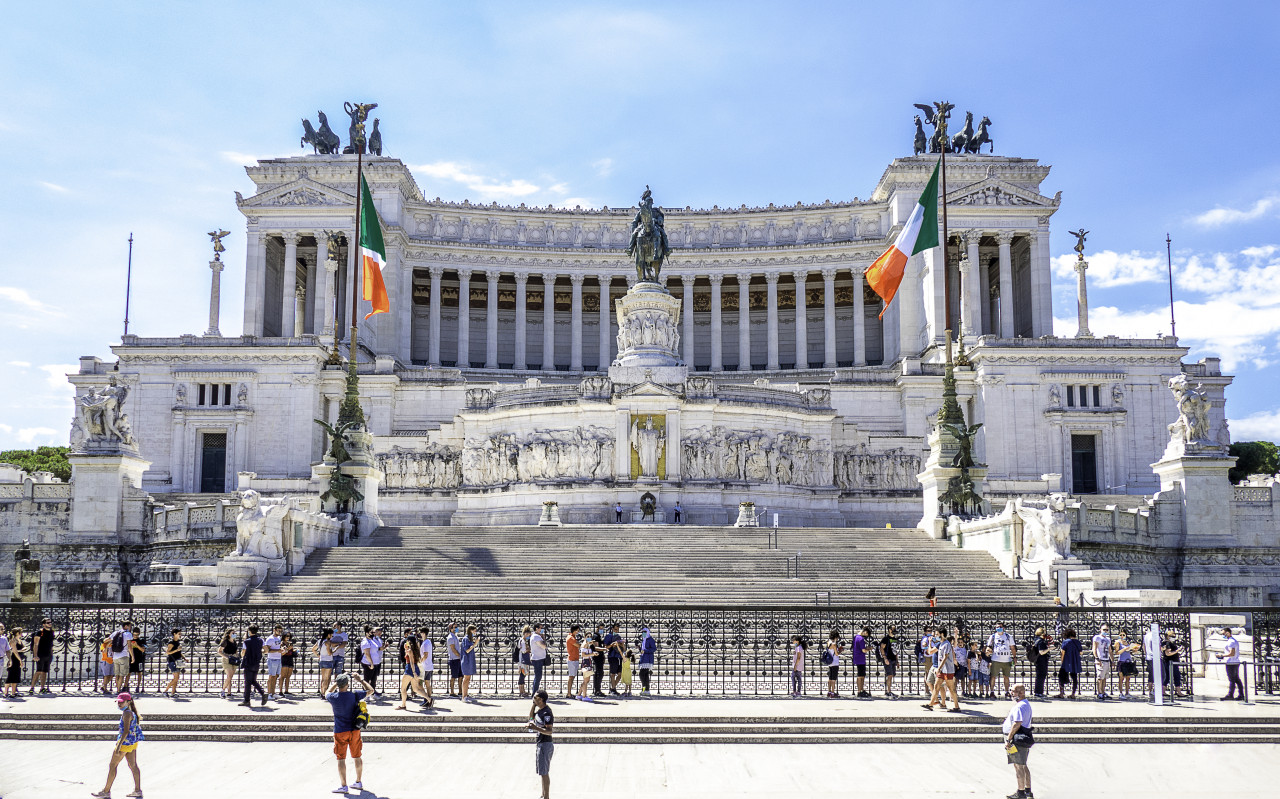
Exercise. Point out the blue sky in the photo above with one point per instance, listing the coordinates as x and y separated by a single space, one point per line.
122 118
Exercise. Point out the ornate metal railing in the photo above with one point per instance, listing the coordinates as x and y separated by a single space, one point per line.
710 651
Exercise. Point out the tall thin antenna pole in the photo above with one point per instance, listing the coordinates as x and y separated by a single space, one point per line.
128 284
355 279
1168 251
946 241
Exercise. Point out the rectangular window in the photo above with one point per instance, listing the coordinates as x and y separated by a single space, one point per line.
1097 396
226 393
1084 464
213 463
1071 396
200 393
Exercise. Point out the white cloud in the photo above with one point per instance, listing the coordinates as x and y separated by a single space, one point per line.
56 375
23 299
247 159
21 364
486 188
1109 268
31 436
53 186
1260 426
603 167
1220 216
4 428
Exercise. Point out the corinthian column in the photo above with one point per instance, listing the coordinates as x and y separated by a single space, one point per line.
717 332
215 298
771 280
575 323
970 309
289 289
829 318
1006 285
1082 299
522 338
548 322
802 320
437 272
255 276
687 282
744 322
860 317
464 318
491 320
606 355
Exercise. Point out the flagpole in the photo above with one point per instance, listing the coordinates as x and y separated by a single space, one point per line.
946 271
355 279
128 285
1168 251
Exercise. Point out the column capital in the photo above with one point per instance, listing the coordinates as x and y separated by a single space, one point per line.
293 237
492 275
577 278
829 274
772 276
801 276
464 274
971 237
436 271
1034 235
549 278
1004 238
521 278
688 280
716 278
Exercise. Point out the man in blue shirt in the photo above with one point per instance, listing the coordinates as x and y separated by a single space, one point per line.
250 664
454 645
346 735
613 645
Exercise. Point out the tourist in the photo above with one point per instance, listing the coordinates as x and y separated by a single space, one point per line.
983 661
371 647
572 650
288 655
889 658
323 650
1230 657
42 644
946 673
542 721
1040 649
648 646
537 655
470 644
1171 652
13 663
250 664
586 659
1151 652
427 661
126 747
1003 652
1070 665
858 657
598 652
229 649
962 664
120 640
454 647
346 735
1102 662
930 647
628 669
137 659
1018 740
106 664
797 665
411 679
338 643
175 662
831 658
1124 652
273 645
522 658
677 513
613 649
617 512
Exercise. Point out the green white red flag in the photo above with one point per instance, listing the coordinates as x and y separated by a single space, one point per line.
918 234
373 254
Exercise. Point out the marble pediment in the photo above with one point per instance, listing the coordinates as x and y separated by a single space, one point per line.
993 192
301 192
650 389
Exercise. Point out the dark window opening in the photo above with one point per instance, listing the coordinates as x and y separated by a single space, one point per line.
213 463
1084 464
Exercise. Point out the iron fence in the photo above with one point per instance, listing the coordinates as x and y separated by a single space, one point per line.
702 651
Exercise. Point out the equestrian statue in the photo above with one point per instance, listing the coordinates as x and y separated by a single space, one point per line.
648 246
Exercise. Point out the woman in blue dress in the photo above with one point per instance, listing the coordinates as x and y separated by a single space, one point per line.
126 747
469 646
1070 668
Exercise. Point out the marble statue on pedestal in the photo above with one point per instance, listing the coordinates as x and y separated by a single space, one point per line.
1191 430
649 444
1046 530
252 535
100 420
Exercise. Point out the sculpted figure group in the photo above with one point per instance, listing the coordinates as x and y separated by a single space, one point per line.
785 458
860 469
100 418
648 329
585 453
1192 425
435 466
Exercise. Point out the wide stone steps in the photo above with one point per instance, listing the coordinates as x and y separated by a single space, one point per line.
418 727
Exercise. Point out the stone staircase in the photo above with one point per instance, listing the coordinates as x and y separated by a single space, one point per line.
389 726
647 565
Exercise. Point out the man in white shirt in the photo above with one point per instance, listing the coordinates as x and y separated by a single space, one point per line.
537 655
371 647
1019 721
1231 658
272 645
1003 652
454 646
1102 661
120 657
428 660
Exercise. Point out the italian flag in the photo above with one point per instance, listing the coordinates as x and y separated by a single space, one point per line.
373 254
917 235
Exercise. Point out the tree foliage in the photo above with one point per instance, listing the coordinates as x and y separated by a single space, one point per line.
40 459
1254 457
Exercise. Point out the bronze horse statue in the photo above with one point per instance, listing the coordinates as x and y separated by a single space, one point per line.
960 141
921 141
981 137
324 141
649 246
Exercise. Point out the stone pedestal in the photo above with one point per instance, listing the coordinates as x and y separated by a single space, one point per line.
1198 478
648 337
747 515
937 476
99 483
363 468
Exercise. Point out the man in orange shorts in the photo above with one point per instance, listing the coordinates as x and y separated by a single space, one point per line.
346 736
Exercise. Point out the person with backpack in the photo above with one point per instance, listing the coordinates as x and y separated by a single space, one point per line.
831 659
520 656
1038 653
648 647
537 655
797 666
1004 650
1070 666
1018 740
411 663
120 641
175 662
889 659
349 717
126 747
137 659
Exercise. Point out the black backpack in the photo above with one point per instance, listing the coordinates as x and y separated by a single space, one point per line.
1033 651
117 642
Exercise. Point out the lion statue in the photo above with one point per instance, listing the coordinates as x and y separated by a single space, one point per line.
1047 530
252 535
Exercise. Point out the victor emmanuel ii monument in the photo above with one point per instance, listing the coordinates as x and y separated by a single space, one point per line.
706 356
